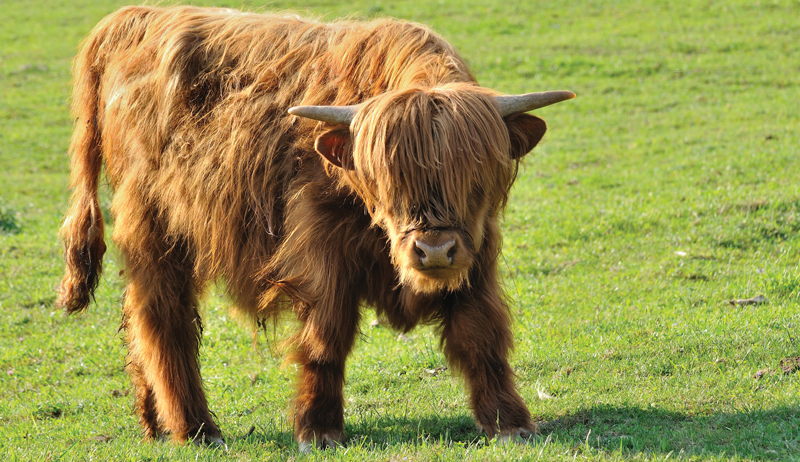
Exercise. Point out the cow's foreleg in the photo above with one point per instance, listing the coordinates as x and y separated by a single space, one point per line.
325 341
163 329
477 341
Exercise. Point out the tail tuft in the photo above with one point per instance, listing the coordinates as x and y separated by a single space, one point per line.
84 247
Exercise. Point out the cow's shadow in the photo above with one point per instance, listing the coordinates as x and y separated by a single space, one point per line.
753 434
381 431
626 430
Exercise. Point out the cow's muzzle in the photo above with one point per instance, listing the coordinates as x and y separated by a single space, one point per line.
433 254
432 260
439 253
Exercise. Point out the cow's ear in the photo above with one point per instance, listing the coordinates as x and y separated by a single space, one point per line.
336 146
524 131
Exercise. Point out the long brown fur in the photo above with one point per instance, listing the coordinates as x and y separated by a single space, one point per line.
187 109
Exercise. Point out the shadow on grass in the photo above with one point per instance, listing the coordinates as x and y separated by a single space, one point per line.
772 434
381 432
761 434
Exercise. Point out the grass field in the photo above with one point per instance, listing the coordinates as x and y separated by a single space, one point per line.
667 188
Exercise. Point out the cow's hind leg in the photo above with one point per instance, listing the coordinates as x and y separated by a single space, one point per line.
163 333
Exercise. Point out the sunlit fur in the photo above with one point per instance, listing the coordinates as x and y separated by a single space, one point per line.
212 179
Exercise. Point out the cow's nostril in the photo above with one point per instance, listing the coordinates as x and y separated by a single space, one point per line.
418 250
451 253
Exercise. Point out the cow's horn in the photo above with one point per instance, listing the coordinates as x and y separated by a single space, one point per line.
530 101
333 114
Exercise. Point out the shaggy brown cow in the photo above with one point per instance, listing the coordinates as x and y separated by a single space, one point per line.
392 203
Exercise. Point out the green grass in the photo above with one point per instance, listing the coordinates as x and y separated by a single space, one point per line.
669 186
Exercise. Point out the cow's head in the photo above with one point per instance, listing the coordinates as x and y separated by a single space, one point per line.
434 167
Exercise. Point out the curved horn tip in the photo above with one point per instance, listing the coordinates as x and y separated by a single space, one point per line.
530 101
560 95
332 114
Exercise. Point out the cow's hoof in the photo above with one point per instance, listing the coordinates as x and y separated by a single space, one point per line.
327 441
217 442
516 435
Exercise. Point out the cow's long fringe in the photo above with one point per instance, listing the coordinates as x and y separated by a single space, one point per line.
430 146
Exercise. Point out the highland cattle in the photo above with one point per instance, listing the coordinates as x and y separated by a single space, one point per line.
314 168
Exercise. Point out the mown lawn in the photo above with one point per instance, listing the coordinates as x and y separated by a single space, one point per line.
667 188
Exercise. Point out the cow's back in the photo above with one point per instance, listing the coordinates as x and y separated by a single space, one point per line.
192 114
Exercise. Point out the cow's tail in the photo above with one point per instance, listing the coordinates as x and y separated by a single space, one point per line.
82 233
